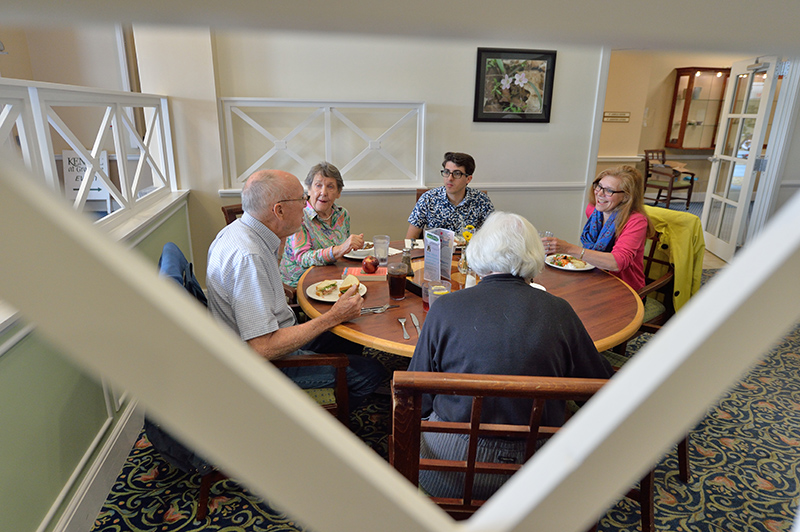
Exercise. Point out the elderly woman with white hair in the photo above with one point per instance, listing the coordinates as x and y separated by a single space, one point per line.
501 326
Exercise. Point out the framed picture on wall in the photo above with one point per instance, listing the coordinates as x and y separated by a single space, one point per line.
514 85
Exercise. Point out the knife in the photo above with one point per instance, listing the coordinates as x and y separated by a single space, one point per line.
415 321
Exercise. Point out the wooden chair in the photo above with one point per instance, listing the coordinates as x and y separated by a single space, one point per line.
657 293
231 212
173 264
407 425
664 178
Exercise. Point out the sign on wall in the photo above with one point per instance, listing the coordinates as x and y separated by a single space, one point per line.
75 169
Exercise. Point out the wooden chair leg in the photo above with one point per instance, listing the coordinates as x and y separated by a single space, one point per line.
683 460
206 481
202 501
646 502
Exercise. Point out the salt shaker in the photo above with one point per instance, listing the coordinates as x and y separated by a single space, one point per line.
407 260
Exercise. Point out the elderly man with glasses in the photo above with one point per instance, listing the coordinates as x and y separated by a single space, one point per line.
454 205
245 290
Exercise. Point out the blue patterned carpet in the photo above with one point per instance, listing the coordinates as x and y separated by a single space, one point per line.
744 457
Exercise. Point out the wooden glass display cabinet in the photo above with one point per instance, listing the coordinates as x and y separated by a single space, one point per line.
696 106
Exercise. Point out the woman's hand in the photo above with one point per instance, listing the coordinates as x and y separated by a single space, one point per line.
554 245
352 242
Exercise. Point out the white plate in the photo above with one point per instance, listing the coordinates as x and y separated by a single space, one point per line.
549 261
333 297
540 287
358 254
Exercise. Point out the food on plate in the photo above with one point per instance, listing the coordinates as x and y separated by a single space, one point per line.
370 264
326 287
568 261
347 282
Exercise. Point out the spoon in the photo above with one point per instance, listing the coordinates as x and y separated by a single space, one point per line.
403 324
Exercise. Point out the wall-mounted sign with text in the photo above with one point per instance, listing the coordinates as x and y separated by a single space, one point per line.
611 116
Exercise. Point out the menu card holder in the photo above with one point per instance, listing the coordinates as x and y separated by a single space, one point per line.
439 245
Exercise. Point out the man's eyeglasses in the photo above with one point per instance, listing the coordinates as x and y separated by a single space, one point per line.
458 174
304 199
604 191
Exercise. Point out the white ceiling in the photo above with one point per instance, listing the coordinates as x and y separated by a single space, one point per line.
764 26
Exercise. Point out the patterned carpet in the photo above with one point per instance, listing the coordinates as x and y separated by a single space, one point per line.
744 457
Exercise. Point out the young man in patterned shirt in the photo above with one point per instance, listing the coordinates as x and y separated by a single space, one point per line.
454 205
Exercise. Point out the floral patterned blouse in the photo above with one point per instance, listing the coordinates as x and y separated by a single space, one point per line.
313 244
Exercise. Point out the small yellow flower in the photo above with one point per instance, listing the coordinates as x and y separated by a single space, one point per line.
467 235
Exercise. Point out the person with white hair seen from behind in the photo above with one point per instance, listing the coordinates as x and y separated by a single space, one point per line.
501 326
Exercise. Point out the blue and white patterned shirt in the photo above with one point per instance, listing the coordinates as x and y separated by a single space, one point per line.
244 284
434 210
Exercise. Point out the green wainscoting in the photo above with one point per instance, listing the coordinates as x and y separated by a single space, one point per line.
56 421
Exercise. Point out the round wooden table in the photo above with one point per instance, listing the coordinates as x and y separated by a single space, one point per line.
610 310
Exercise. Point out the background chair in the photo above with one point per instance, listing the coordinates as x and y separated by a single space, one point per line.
407 425
173 264
664 178
231 212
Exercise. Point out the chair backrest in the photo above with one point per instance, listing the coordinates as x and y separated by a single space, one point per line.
653 157
659 276
231 212
408 387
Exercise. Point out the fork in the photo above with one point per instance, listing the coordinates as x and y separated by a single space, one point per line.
405 332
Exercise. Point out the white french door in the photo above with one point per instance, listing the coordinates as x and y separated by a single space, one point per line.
739 154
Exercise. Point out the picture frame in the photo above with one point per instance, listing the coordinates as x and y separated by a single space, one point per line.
514 85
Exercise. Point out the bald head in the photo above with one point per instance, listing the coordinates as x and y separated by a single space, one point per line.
274 198
265 187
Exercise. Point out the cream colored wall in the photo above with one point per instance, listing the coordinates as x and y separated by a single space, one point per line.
525 167
179 62
628 83
16 63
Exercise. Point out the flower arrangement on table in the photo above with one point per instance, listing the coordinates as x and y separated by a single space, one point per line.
463 267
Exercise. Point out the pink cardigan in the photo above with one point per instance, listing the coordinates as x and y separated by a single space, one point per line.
628 249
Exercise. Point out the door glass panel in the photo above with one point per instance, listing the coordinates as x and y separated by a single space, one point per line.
713 216
730 137
737 102
727 223
736 182
745 138
757 87
722 180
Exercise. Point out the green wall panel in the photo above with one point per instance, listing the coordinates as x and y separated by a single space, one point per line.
51 413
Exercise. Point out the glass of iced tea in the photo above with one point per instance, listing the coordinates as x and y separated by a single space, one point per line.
396 275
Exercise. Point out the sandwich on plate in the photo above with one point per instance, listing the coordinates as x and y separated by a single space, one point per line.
347 282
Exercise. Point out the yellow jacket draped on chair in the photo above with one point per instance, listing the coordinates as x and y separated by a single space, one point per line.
683 234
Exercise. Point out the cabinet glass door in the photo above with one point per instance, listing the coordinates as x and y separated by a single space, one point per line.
696 107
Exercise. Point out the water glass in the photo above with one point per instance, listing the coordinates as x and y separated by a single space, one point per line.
381 243
396 275
436 289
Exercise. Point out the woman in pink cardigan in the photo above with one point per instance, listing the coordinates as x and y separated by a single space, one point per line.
614 235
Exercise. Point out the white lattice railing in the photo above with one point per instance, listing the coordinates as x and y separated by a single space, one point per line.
376 145
39 120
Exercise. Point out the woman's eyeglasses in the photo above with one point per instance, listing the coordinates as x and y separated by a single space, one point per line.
458 174
604 191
